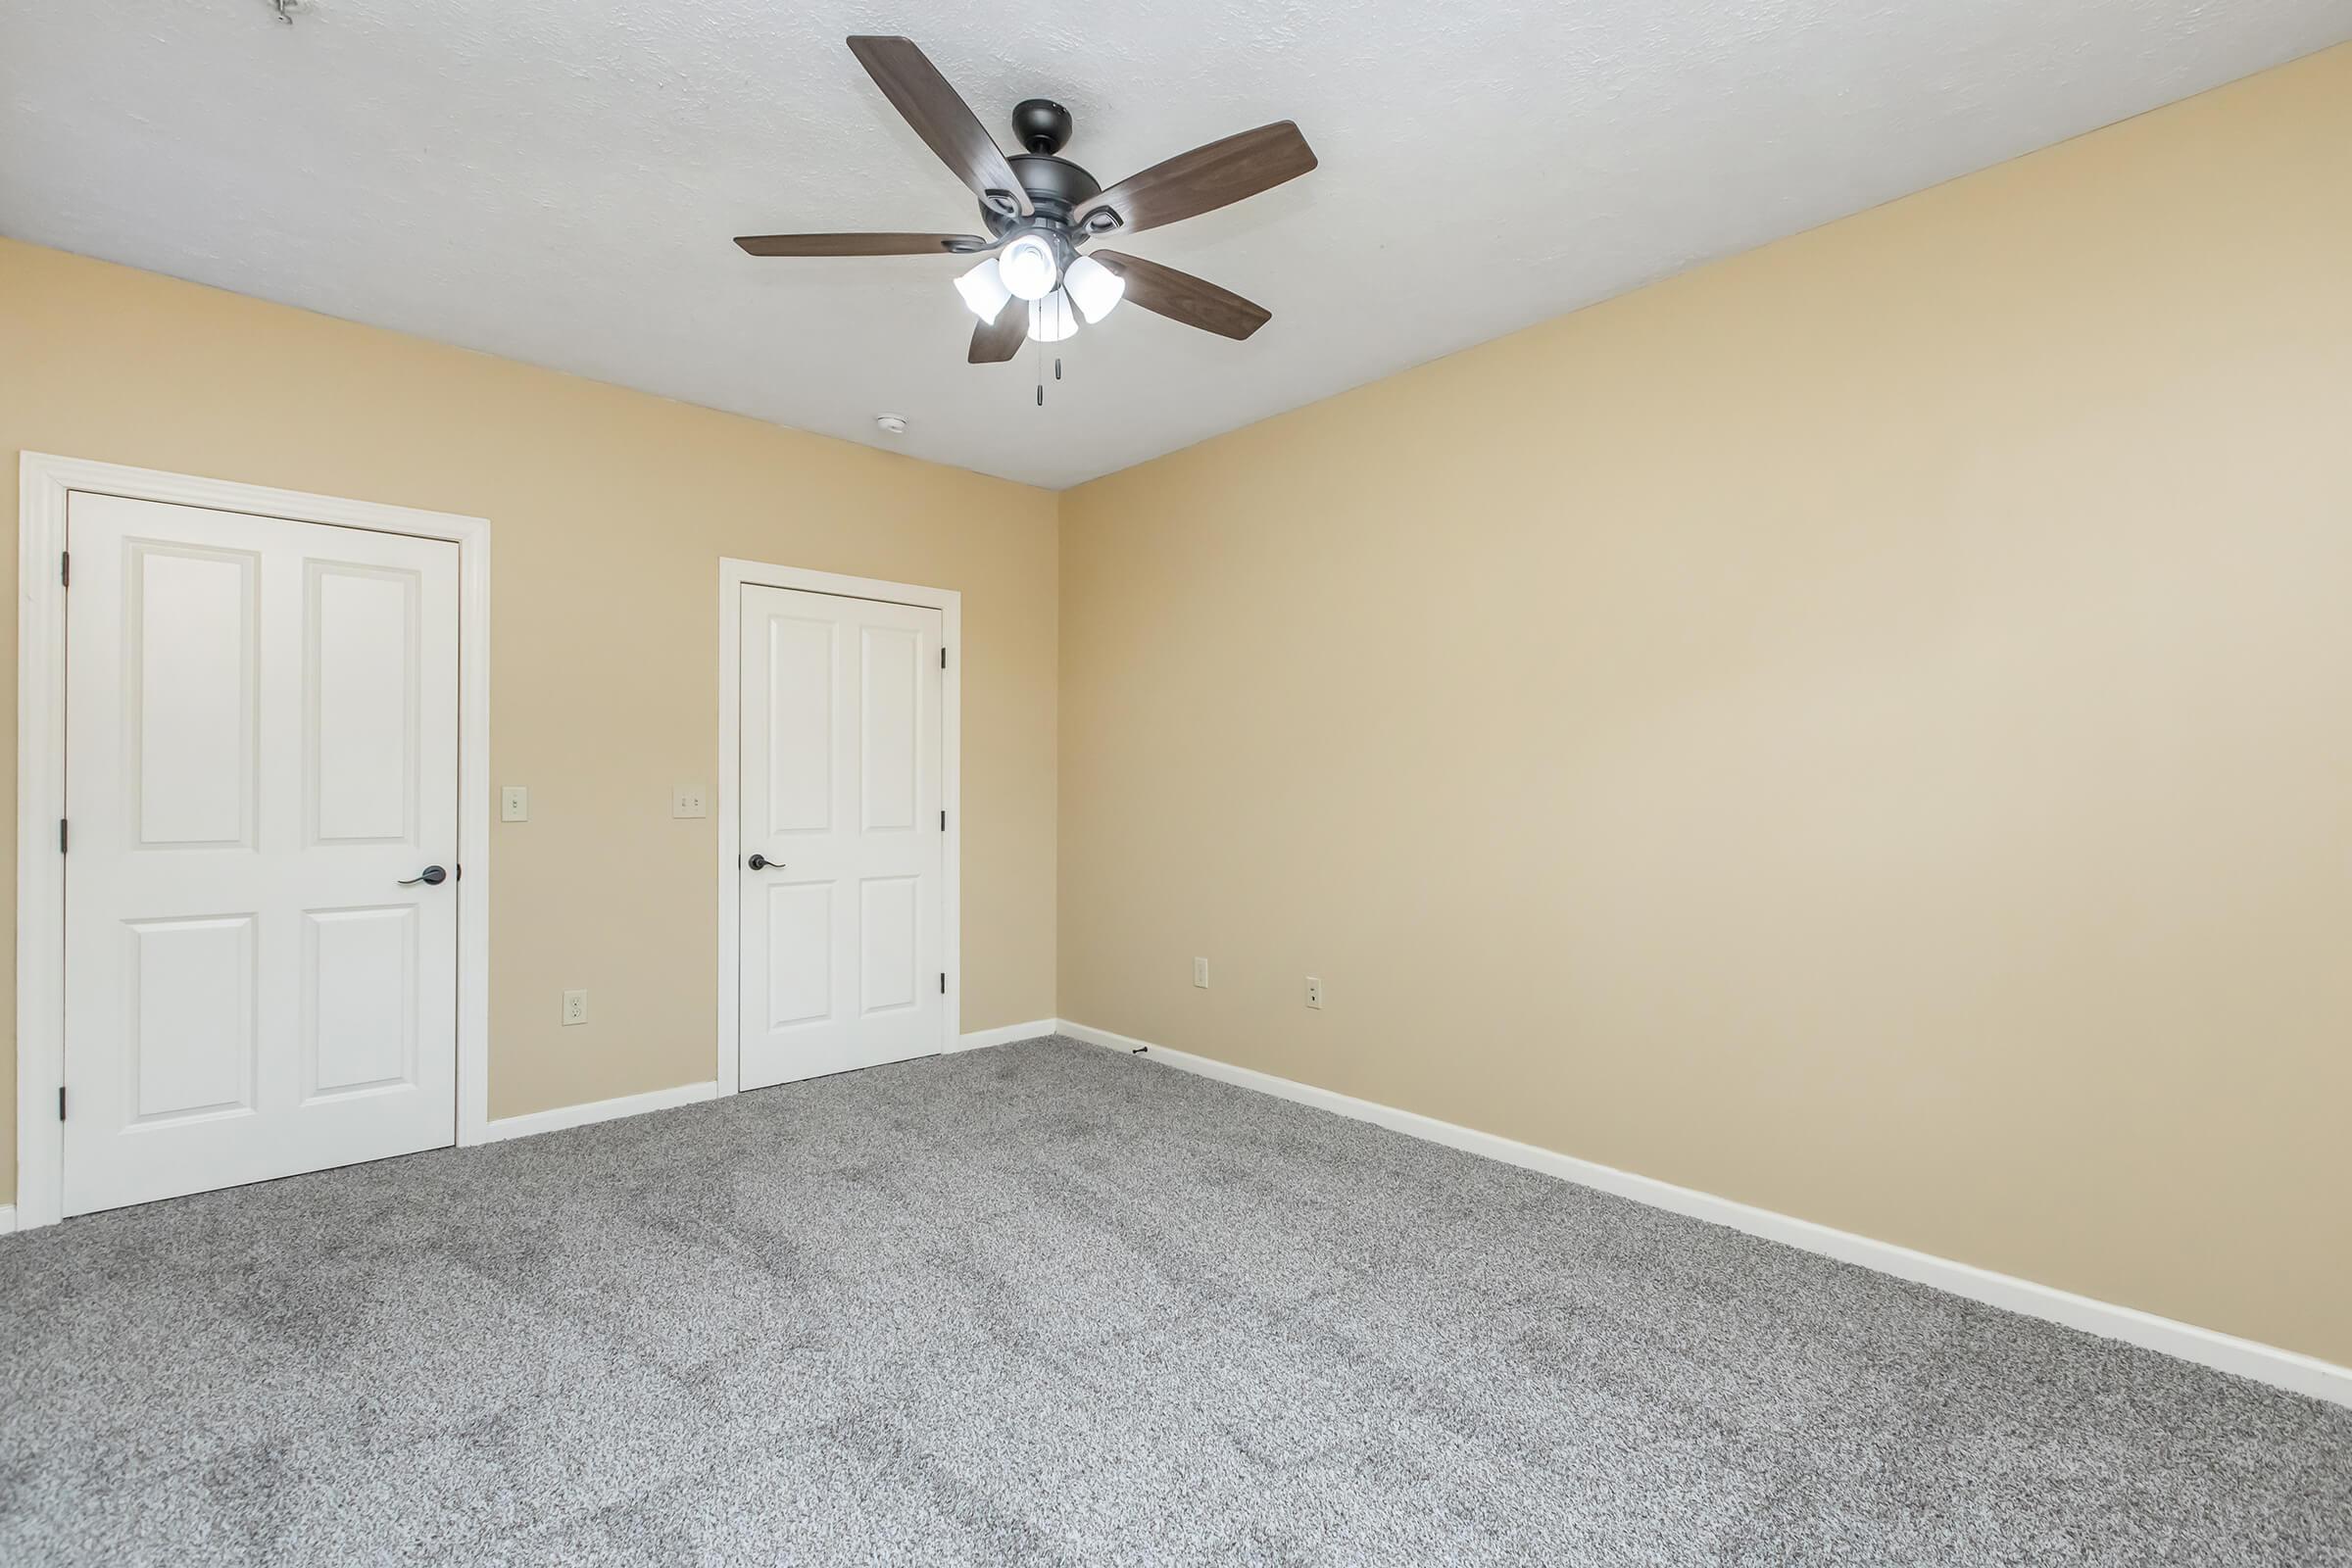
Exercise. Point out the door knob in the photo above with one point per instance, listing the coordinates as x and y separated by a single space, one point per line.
432 876
761 863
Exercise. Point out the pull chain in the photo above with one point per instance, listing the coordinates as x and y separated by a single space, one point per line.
1059 322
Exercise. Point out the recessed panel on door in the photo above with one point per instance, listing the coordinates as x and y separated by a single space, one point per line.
888 943
889 720
261 758
800 737
189 1021
191 674
799 952
840 962
362 709
360 999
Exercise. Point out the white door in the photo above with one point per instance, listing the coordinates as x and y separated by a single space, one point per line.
260 755
839 805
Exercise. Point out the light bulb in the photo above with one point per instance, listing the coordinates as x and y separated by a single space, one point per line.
1096 288
1028 268
983 290
1052 318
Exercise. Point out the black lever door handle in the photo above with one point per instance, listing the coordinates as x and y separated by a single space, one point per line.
761 863
432 876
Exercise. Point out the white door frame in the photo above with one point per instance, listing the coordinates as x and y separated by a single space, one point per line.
733 577
44 484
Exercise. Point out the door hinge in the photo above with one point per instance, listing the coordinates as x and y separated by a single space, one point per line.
61 1102
943 982
60 835
65 568
943 821
942 658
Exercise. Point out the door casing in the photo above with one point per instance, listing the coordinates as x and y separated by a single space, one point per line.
733 575
44 484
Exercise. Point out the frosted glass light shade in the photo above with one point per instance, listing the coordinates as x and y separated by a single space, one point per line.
1095 288
1053 318
1028 268
983 290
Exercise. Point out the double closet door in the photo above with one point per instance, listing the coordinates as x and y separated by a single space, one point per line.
260 765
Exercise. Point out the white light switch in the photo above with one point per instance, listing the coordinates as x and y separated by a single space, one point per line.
690 801
575 1006
514 803
1200 973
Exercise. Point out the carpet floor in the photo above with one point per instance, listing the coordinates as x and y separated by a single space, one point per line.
1044 1303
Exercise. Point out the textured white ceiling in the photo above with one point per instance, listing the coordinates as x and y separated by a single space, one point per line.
558 181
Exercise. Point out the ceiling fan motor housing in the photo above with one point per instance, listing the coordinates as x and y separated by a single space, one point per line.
1056 186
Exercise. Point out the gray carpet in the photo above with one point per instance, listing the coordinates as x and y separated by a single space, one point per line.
1044 1303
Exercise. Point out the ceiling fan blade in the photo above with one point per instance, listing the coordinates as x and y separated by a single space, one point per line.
940 117
1182 297
864 244
995 342
1206 178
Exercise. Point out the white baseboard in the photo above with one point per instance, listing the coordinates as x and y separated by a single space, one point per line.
8 1218
2247 1359
1005 1034
563 1116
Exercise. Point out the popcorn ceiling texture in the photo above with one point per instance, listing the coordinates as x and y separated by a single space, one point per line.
557 181
1049 1304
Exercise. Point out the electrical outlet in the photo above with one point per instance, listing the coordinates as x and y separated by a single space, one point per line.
514 803
689 801
1200 973
1315 992
575 1006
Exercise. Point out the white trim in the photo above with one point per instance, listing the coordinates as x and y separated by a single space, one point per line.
45 482
733 575
1005 1034
8 1218
2227 1353
563 1116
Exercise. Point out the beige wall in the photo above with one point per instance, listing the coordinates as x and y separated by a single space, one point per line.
609 512
1864 728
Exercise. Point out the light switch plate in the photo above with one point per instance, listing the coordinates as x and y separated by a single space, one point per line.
575 1006
691 800
514 803
1200 973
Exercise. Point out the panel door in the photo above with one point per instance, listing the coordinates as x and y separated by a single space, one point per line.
262 743
839 799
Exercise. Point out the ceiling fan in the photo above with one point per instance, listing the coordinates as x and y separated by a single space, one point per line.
1039 208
